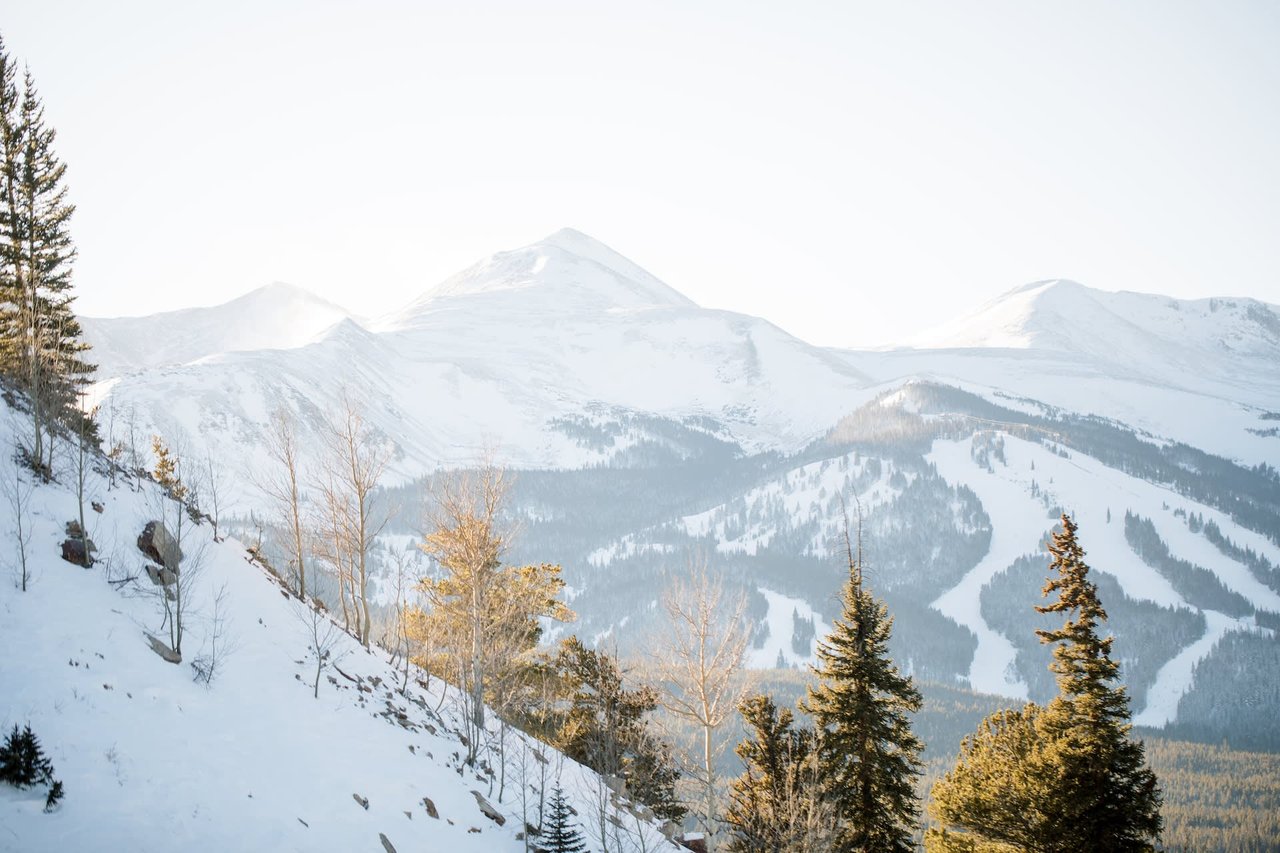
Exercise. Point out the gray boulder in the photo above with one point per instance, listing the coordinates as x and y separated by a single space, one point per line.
158 543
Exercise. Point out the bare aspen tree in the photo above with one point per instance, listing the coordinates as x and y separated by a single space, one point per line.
328 540
214 490
698 662
354 460
186 555
218 644
396 638
323 638
131 445
115 448
81 462
17 492
284 486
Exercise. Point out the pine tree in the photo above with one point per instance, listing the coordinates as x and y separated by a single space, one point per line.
868 756
560 835
607 729
1000 791
1063 777
10 157
1111 798
775 805
22 761
40 337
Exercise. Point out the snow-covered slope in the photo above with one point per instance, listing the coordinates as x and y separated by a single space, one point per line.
1205 372
153 760
1120 327
276 316
562 329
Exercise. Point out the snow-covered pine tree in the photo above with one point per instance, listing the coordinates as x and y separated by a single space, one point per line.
560 835
868 757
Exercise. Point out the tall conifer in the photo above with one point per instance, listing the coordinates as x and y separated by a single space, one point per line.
868 756
1110 798
40 337
1064 777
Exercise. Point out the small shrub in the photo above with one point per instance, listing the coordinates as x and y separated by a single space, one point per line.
56 793
24 764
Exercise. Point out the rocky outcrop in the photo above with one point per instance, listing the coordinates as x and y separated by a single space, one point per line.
158 543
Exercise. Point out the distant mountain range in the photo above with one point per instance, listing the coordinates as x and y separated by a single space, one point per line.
650 431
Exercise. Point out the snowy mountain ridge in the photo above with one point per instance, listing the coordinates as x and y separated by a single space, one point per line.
1067 316
497 356
275 316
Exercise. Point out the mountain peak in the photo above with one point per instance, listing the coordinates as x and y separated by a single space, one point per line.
1123 327
563 272
273 316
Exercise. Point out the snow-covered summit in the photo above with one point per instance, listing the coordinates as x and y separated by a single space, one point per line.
526 339
567 270
275 316
1066 316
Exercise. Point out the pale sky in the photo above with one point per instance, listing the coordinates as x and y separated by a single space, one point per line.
853 172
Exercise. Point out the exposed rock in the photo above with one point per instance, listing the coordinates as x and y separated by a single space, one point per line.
430 807
386 843
694 841
363 801
158 543
487 809
161 648
73 551
160 576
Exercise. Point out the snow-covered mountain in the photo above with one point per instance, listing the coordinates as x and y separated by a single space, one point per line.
1136 328
257 758
564 330
1204 371
652 431
276 316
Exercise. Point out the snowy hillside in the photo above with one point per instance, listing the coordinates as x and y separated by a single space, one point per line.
154 760
277 316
